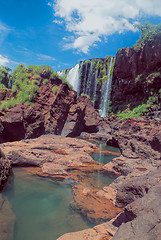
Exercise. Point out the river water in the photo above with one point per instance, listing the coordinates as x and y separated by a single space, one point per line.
42 207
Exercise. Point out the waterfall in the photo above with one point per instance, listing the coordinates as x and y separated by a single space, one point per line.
105 96
88 86
95 86
85 77
73 77
62 73
92 77
79 80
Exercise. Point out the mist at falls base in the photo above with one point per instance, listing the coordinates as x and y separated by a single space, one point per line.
93 78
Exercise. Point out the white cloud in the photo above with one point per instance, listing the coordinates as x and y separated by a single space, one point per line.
45 57
3 60
58 22
90 20
3 32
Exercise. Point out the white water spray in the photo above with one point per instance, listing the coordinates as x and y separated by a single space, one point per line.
106 93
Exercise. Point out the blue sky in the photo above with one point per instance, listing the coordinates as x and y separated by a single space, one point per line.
60 33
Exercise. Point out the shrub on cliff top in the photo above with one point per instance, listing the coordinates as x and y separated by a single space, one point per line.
26 82
148 34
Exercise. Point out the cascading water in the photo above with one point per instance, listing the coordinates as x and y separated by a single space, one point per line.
95 86
88 78
105 96
62 73
73 77
85 79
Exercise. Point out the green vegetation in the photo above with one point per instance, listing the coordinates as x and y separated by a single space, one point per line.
85 95
25 83
5 105
102 67
112 67
153 102
55 89
45 81
5 77
119 51
148 34
135 113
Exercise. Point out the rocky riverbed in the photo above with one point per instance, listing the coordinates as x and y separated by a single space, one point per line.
127 201
138 187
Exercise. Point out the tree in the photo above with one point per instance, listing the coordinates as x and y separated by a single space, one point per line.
4 77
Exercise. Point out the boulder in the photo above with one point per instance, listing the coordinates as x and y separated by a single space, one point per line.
141 219
57 108
136 187
22 121
75 121
138 138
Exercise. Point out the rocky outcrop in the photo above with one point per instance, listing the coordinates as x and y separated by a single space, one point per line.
55 108
142 217
93 204
103 231
85 120
54 154
21 122
75 121
53 113
138 138
48 115
137 187
129 64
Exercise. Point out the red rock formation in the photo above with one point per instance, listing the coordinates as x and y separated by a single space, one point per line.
48 115
129 64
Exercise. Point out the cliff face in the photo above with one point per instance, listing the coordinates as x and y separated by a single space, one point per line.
137 75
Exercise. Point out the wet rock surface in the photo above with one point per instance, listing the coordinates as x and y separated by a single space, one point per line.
94 205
